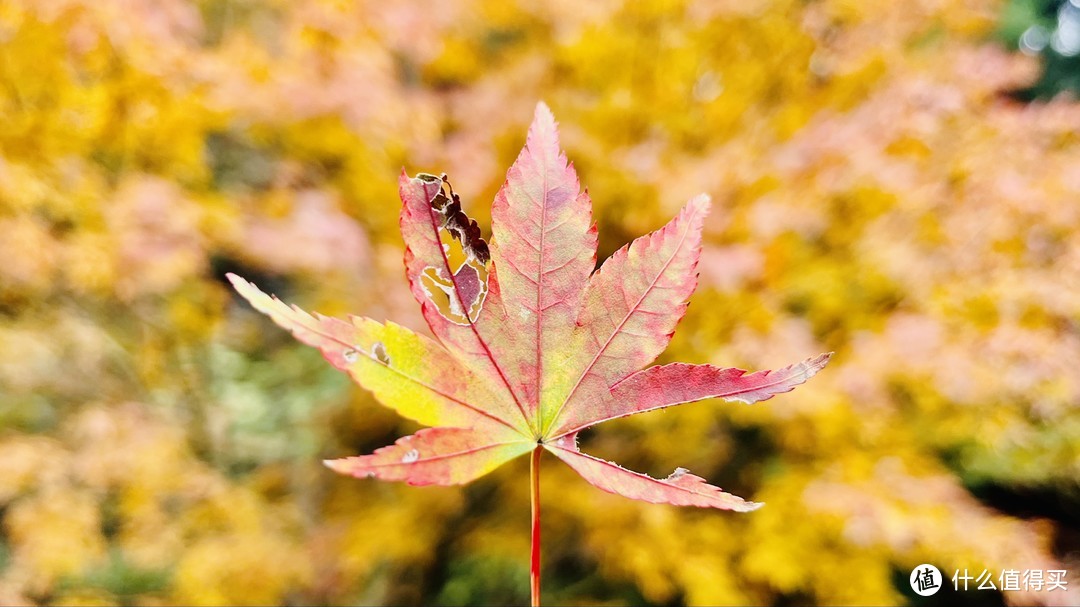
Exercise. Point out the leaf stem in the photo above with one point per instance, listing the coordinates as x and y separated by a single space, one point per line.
534 569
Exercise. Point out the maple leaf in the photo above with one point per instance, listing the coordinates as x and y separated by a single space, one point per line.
533 345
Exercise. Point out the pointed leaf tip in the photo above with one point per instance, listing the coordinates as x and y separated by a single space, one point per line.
544 132
701 203
543 112
237 281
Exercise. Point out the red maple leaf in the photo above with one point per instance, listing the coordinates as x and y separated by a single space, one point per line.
533 345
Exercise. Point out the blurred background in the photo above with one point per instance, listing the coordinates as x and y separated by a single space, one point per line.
895 181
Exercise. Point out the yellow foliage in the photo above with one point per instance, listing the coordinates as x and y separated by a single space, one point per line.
72 544
878 193
241 569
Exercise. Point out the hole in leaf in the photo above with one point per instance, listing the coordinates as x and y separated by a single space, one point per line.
460 297
455 222
378 350
442 292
